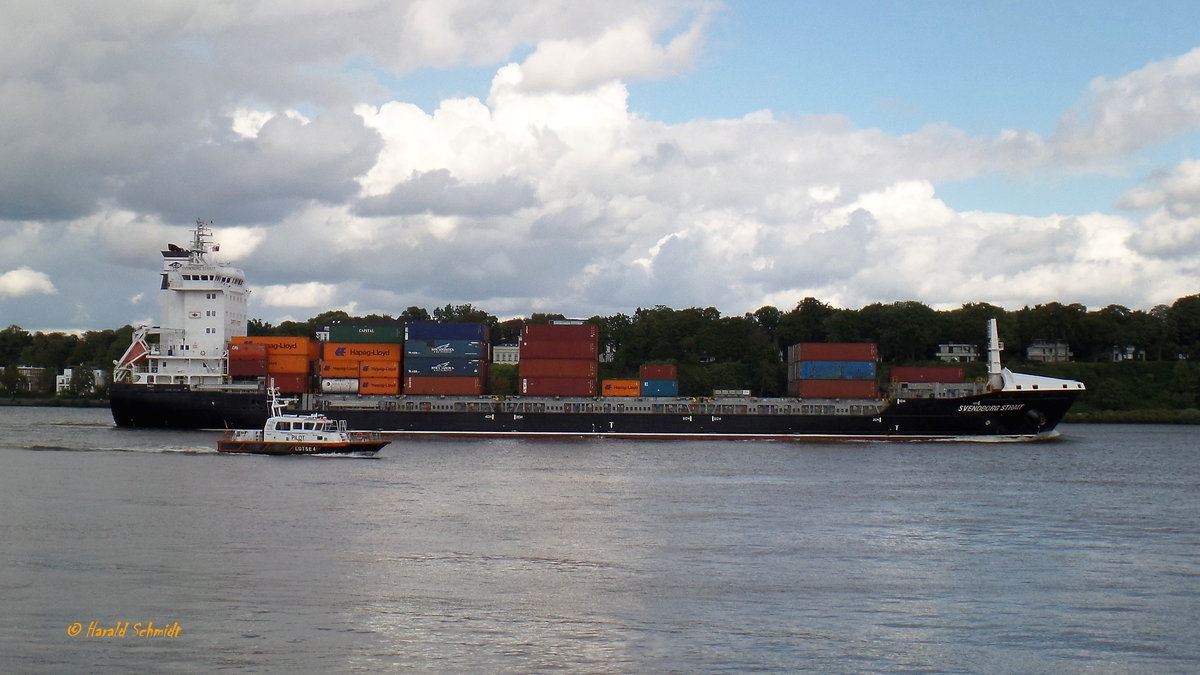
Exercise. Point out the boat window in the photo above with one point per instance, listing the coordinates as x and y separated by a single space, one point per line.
283 426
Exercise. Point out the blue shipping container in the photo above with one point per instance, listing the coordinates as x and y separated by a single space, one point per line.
837 370
660 387
432 365
433 330
460 348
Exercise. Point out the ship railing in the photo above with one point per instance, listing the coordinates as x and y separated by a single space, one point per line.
244 435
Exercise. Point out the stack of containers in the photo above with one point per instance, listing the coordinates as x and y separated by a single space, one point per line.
288 359
659 380
361 367
559 359
445 358
832 370
247 361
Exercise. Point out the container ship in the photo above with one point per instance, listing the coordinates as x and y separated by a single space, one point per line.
199 369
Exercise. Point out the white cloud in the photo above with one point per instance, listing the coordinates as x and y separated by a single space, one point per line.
24 281
309 295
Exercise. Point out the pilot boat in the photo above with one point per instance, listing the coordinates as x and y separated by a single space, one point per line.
311 434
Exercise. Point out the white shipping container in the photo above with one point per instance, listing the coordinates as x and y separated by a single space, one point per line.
339 385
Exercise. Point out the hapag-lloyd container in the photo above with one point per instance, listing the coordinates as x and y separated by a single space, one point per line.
379 385
621 388
443 386
355 351
281 345
339 369
288 363
379 369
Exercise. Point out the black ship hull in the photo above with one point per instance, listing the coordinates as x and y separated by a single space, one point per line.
1002 415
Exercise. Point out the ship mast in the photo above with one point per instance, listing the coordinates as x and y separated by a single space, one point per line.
995 371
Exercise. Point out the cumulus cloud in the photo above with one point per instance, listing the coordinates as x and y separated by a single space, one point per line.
307 295
1171 229
25 281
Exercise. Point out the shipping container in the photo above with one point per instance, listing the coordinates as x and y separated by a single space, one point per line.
434 330
926 374
249 352
833 351
443 386
379 385
282 345
559 349
380 334
621 388
379 369
558 386
542 331
248 367
336 369
558 368
855 389
426 365
352 351
290 383
832 370
660 387
659 372
288 363
339 385
459 348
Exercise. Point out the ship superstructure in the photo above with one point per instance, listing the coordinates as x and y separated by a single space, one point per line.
202 305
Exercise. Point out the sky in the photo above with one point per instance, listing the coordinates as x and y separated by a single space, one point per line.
593 158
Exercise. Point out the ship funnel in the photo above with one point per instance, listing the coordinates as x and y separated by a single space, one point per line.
995 374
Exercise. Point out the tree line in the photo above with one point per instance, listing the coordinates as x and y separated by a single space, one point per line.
714 351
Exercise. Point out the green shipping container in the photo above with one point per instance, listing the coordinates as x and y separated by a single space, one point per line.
375 334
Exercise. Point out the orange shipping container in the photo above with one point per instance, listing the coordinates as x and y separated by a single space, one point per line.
380 369
339 369
288 363
353 351
282 345
379 385
621 388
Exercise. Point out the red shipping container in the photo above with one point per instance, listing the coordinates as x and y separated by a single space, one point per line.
558 386
340 369
434 385
559 349
927 374
543 331
239 352
833 388
290 383
652 372
248 367
379 385
558 368
833 351
288 363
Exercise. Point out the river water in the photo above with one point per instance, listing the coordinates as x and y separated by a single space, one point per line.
1075 555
